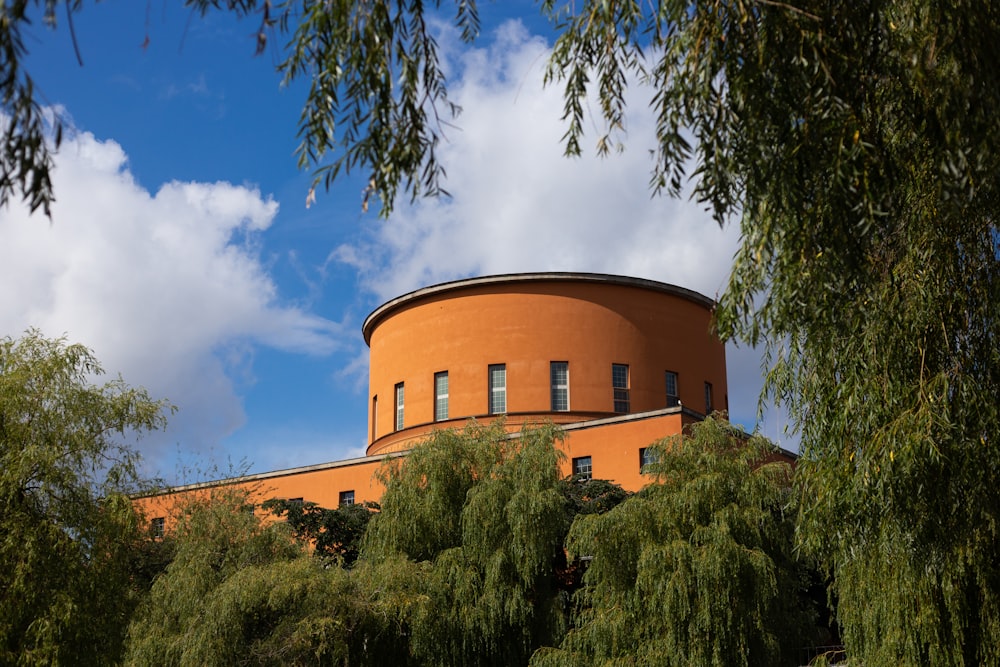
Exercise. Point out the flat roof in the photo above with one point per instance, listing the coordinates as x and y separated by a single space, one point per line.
386 308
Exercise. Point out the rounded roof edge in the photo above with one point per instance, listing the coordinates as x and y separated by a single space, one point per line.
383 311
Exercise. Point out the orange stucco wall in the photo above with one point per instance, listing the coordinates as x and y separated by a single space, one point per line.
321 484
614 447
612 443
591 322
524 321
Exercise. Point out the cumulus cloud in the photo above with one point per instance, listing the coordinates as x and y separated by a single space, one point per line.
520 205
168 288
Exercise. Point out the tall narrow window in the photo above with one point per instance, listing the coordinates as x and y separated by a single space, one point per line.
708 398
619 382
374 417
647 456
440 396
399 406
673 395
559 372
583 467
346 498
498 388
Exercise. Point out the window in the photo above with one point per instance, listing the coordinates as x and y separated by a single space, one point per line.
374 417
156 526
441 396
708 398
647 455
346 498
498 388
619 381
559 372
399 406
673 395
295 501
582 466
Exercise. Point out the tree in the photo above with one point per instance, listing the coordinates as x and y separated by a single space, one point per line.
334 535
484 512
377 100
857 145
216 539
697 568
457 568
588 495
68 531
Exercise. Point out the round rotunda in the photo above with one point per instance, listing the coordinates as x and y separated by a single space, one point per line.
562 347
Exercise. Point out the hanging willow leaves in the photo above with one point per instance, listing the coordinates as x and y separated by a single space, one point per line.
696 569
487 514
241 592
377 100
858 146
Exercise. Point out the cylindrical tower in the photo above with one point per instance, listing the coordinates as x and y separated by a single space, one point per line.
565 347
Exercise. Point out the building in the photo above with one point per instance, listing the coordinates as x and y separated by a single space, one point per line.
617 362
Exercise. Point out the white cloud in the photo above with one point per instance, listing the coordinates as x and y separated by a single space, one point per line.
520 205
169 289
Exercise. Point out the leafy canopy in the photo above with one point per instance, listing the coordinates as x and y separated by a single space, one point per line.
333 534
697 568
856 144
485 513
216 539
459 567
68 532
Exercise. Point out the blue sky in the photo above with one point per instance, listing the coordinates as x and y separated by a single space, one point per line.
181 250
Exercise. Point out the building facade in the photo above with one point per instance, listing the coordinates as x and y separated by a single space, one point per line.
617 362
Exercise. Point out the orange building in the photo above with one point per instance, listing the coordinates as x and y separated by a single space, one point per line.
617 362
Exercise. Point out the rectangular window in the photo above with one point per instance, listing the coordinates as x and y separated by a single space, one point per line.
440 396
708 398
647 456
399 406
156 526
498 388
296 501
582 467
346 498
619 382
673 395
559 372
374 418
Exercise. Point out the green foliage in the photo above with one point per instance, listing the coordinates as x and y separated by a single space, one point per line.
425 492
25 156
696 569
377 98
586 495
858 145
474 584
216 542
485 512
68 532
291 612
334 535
